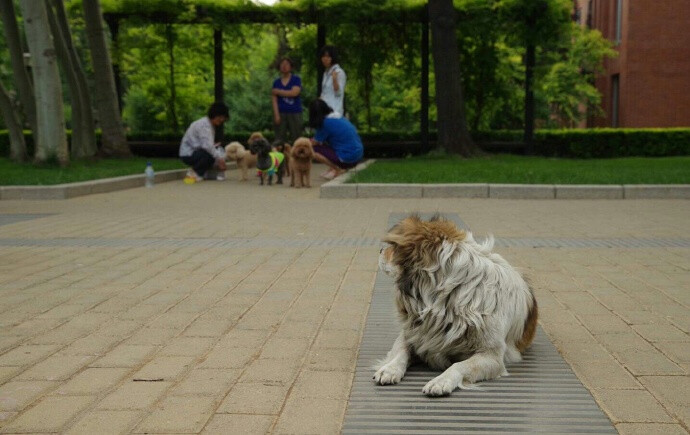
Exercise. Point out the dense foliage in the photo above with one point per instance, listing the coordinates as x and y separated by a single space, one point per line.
379 41
380 55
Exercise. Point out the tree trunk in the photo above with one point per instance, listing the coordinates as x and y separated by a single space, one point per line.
453 134
21 76
77 144
9 114
51 142
87 130
113 136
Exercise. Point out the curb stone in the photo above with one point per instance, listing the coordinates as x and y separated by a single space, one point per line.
103 185
645 191
72 190
339 188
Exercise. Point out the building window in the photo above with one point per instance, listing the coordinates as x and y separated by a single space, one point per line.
615 100
619 21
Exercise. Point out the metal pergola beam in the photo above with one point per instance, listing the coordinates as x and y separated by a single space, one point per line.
424 85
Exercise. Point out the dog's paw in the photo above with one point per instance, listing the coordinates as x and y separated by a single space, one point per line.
389 375
441 385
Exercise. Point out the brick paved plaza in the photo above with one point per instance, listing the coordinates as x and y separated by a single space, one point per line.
236 308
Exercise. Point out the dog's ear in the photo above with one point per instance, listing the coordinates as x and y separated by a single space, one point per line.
405 283
262 144
416 243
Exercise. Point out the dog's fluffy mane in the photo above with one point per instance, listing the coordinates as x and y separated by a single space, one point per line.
235 150
455 296
302 148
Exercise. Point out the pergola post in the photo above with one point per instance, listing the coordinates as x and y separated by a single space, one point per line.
424 112
528 136
320 42
530 63
218 75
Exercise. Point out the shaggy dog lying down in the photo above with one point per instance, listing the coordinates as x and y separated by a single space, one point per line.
463 309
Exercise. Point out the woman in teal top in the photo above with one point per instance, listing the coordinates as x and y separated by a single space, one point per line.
336 142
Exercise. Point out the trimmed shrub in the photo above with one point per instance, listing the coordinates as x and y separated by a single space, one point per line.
600 142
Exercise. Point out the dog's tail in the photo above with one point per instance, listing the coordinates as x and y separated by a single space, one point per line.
235 150
530 327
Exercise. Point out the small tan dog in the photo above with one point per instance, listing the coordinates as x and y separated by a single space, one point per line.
245 160
300 162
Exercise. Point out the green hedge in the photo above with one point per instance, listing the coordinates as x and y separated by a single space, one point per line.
177 137
580 143
601 142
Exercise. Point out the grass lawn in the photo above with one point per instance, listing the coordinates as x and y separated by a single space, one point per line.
13 174
527 170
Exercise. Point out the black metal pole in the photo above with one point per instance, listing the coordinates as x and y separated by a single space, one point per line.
218 74
529 98
424 112
320 42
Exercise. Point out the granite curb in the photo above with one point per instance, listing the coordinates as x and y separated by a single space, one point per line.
72 190
339 188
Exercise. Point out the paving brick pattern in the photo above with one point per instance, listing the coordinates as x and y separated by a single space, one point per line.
262 336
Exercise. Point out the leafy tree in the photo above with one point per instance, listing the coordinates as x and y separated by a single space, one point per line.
396 103
383 65
152 97
250 63
567 87
493 72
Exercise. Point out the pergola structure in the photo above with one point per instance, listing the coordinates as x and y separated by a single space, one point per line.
223 12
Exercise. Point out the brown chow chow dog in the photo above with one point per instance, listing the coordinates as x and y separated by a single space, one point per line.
245 160
300 162
463 308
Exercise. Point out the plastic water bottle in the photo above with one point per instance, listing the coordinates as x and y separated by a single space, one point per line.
150 175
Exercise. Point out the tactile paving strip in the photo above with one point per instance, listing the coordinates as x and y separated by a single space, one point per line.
542 394
273 242
6 219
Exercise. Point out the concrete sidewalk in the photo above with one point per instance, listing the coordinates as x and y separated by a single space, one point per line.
228 307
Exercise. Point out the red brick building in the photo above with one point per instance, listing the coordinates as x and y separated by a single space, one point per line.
648 84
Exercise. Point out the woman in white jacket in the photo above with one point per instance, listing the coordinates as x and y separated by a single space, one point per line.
333 80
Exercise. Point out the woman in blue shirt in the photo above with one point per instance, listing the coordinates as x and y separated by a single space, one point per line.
287 105
336 142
